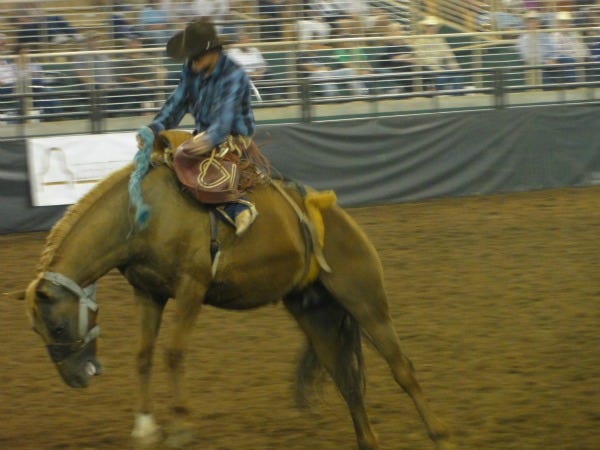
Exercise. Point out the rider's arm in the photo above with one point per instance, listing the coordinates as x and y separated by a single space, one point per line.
175 107
233 89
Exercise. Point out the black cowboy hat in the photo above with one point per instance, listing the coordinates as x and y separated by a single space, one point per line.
199 37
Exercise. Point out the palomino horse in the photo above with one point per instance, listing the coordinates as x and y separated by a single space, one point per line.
171 258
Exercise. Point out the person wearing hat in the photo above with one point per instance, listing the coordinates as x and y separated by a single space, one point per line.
569 47
536 48
434 54
216 92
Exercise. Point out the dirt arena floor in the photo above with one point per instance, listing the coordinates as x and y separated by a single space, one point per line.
496 301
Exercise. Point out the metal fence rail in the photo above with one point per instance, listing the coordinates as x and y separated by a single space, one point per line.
89 76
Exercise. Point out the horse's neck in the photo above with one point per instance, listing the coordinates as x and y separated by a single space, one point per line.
97 239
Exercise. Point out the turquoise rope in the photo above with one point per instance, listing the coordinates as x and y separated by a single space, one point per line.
141 163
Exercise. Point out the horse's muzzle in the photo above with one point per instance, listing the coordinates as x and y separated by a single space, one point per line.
77 369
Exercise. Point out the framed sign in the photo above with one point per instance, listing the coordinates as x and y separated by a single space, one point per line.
64 168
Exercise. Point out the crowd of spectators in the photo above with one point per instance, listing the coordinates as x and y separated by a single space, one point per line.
339 45
559 55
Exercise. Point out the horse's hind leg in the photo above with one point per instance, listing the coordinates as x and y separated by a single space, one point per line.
370 309
386 341
335 338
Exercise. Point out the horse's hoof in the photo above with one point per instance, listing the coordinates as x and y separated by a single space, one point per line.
145 431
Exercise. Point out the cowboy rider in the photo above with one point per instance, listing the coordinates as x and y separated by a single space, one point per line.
216 91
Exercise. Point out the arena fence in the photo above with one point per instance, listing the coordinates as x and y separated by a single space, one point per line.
488 72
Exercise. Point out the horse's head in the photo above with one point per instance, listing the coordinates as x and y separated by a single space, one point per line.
64 315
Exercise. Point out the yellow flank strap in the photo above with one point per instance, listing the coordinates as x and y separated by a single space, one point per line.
316 202
317 259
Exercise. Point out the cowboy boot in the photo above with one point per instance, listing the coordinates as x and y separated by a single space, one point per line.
244 219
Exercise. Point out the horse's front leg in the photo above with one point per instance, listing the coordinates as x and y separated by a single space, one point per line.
188 303
150 312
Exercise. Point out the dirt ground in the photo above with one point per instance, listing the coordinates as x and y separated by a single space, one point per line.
496 301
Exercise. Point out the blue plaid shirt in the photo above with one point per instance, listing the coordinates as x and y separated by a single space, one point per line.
219 102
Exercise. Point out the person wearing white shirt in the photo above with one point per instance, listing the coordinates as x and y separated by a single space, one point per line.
249 58
312 26
434 54
569 48
536 48
7 77
217 10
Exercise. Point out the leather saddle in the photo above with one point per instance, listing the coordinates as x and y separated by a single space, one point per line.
212 177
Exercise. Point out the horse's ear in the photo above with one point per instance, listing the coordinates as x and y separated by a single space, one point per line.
16 295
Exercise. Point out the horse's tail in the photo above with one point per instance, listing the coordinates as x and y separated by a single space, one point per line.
324 319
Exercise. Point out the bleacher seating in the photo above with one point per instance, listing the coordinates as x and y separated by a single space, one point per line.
479 43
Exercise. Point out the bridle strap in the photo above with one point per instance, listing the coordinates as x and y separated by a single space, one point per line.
86 301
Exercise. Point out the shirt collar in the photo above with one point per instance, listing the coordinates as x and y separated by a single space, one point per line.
216 72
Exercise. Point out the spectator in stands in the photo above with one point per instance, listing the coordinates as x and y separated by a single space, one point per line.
133 76
154 24
377 23
588 16
28 24
312 26
216 10
594 69
532 5
350 56
536 48
248 57
508 15
318 64
397 57
357 11
30 83
120 26
594 47
435 55
329 10
272 11
569 49
94 69
36 27
7 77
178 11
346 25
60 31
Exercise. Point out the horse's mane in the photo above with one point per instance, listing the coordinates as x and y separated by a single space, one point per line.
60 230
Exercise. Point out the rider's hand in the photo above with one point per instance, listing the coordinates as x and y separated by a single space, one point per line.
145 136
196 146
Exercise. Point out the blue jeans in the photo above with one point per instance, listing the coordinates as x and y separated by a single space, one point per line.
233 209
446 81
562 75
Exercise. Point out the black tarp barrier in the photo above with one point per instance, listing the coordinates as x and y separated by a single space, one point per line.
405 158
16 212
418 157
